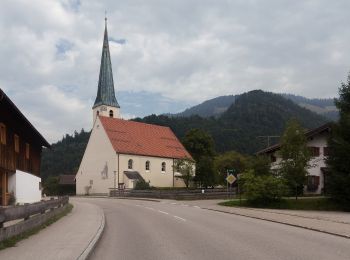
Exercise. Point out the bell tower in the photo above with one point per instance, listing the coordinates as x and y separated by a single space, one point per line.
106 103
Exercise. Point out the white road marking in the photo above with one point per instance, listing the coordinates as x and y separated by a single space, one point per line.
149 208
197 207
184 205
138 205
179 218
163 212
174 203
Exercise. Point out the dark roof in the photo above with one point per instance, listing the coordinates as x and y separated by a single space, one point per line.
133 175
66 179
309 134
130 137
10 105
105 90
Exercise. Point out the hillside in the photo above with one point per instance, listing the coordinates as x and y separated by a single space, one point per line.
216 106
253 114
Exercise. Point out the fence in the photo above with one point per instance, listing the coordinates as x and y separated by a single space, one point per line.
181 194
33 215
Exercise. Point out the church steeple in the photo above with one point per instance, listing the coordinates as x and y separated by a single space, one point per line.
105 99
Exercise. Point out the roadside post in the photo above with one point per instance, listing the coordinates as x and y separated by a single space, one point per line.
230 180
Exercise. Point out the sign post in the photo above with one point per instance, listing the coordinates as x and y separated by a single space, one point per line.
230 179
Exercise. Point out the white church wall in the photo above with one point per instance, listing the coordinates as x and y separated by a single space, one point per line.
98 164
155 176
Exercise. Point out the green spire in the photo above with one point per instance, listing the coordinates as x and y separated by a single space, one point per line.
105 91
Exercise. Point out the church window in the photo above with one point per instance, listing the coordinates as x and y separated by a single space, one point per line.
130 164
98 113
2 134
147 165
163 167
110 113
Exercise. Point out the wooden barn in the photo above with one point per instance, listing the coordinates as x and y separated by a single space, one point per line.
20 155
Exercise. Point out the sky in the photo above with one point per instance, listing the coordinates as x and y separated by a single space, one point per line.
166 55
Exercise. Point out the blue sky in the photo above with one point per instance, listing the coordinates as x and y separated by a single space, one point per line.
166 55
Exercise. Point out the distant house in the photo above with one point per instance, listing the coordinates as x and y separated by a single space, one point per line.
121 152
66 184
20 155
317 143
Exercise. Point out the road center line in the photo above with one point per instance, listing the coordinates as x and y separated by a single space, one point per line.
149 208
179 218
163 212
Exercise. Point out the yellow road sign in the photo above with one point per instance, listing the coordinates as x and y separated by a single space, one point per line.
231 179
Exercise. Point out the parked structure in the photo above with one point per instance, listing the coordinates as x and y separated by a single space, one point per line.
317 143
20 155
120 152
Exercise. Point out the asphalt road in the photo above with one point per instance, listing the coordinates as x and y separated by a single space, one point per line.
153 230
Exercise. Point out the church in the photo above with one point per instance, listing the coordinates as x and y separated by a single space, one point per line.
120 152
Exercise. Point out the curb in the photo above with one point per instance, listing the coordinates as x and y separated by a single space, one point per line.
90 247
280 222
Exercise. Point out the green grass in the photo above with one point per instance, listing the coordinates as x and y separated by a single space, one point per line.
10 242
325 204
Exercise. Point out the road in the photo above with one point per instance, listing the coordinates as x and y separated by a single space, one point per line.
174 230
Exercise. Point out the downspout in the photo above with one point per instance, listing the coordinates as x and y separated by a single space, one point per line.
173 173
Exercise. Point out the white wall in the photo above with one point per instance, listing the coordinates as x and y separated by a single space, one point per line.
25 187
98 163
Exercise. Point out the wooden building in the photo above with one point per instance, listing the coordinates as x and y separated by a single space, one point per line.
20 151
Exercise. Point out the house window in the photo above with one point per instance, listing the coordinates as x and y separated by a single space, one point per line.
314 151
16 144
273 158
27 150
326 151
110 113
147 165
2 134
313 182
163 166
130 164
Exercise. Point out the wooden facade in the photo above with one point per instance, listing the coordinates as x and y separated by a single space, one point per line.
20 144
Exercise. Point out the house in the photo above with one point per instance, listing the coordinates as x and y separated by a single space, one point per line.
20 155
121 152
318 145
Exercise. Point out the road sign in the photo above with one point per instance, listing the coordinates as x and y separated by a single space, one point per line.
231 179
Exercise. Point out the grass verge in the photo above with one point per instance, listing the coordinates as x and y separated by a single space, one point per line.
10 242
324 204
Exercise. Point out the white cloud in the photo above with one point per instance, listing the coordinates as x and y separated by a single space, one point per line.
182 52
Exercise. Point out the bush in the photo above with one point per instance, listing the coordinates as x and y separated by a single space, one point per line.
142 185
262 189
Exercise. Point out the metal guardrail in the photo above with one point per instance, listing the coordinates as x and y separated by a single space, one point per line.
25 211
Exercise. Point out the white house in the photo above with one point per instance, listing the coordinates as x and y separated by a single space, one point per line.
121 152
317 143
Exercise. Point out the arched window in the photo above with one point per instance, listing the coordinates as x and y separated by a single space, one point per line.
147 165
163 166
110 113
130 164
98 113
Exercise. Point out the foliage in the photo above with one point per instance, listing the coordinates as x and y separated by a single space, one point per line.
142 185
201 146
260 165
295 157
262 189
51 186
231 160
186 168
339 145
64 157
301 204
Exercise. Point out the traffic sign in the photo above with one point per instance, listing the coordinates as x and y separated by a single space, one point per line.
231 179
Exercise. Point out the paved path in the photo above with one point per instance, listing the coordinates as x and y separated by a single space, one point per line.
65 239
183 230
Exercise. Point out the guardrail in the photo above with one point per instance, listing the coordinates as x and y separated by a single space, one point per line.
25 211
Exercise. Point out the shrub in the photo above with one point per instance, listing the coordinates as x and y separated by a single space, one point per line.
262 189
142 185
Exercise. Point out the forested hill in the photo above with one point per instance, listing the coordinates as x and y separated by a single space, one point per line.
216 106
253 114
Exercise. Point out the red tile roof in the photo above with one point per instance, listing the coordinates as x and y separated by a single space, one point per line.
129 137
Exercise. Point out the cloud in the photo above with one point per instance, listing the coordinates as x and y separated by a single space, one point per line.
178 53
